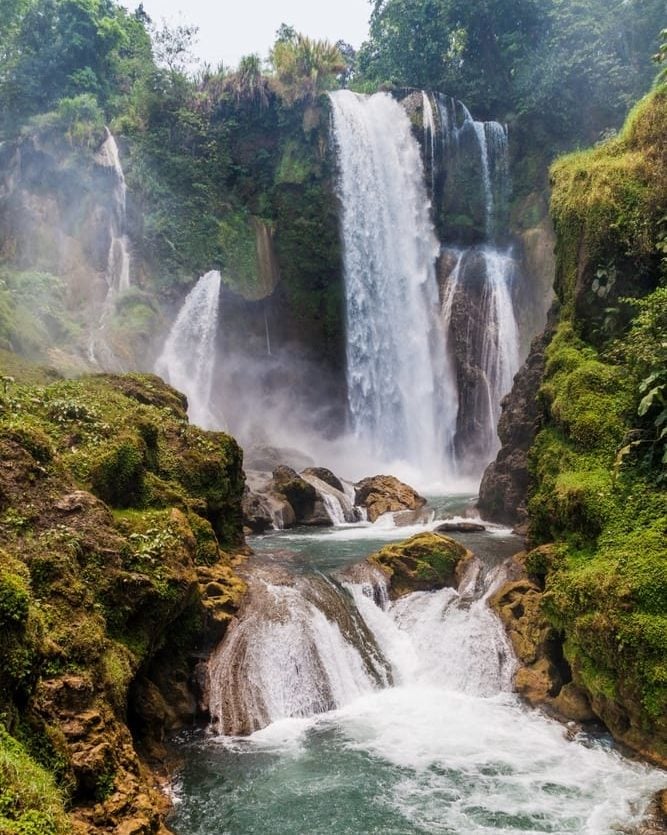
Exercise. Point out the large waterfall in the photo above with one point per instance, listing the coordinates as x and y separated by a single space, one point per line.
424 388
399 401
188 357
117 273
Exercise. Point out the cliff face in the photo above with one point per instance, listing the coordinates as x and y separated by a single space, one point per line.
597 459
113 516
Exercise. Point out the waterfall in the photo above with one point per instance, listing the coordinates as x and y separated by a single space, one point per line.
482 336
187 360
299 649
117 273
478 318
395 358
429 137
305 645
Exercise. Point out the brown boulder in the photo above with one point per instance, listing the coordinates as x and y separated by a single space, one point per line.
386 494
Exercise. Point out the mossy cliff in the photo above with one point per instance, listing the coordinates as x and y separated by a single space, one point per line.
120 526
598 461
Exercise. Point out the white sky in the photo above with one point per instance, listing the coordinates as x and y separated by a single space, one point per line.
229 29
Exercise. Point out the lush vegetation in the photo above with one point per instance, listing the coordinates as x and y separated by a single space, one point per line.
600 460
90 593
568 67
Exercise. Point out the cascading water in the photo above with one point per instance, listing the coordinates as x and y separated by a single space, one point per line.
117 272
187 360
397 717
476 282
396 366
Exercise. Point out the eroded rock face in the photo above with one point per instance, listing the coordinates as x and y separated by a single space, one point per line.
543 677
386 494
106 609
425 562
504 489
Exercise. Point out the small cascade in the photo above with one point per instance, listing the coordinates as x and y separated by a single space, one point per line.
483 340
395 358
187 361
306 645
480 150
117 273
300 648
429 138
340 509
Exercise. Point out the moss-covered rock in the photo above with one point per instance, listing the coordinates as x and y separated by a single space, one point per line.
425 562
598 478
90 599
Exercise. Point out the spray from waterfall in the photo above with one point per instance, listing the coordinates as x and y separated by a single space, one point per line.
187 361
398 400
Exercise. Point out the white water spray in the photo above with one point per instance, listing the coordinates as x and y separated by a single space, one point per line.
187 361
395 358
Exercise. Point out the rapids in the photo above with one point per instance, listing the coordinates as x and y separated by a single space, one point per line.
387 717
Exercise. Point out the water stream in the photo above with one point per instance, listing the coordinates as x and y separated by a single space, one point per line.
187 360
372 716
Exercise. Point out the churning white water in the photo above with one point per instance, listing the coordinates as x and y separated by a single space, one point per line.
187 360
395 357
381 717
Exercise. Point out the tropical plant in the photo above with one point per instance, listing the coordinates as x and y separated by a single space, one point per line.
305 68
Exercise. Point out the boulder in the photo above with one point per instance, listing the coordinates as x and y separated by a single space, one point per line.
425 562
326 476
257 514
460 527
382 494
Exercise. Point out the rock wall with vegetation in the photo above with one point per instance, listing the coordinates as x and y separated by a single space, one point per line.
120 526
598 462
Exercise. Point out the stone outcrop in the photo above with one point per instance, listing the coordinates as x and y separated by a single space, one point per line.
104 608
543 677
386 494
425 562
503 492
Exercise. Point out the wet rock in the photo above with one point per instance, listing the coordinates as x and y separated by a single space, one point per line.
460 527
382 494
326 476
504 489
257 513
425 562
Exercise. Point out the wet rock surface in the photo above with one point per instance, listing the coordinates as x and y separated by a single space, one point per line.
382 494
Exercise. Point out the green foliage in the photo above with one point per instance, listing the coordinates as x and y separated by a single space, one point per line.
14 600
598 460
305 68
30 803
118 479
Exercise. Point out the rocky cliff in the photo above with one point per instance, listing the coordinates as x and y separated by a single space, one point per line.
120 526
596 463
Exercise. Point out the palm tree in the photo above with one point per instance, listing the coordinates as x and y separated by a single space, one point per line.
305 68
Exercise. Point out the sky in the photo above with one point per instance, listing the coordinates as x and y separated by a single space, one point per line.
229 29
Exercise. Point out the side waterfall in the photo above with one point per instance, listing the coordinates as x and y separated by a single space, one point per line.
307 645
187 360
400 403
476 282
117 272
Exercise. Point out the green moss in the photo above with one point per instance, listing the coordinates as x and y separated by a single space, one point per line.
118 479
14 599
30 803
425 561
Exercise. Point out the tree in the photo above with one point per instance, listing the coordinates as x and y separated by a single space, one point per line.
305 68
